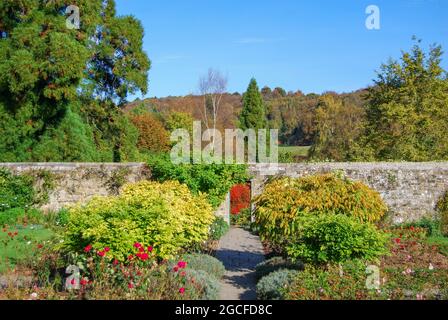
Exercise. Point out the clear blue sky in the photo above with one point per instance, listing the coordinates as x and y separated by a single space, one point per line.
312 45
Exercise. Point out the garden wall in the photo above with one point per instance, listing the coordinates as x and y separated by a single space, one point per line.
411 190
79 182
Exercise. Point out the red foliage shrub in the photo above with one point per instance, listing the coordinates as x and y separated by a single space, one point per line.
239 198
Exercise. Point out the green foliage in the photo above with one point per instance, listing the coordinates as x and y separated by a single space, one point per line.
334 239
16 191
179 120
253 115
285 200
338 124
164 215
15 215
274 264
58 101
442 207
206 263
218 229
272 286
215 180
243 219
406 113
432 226
209 285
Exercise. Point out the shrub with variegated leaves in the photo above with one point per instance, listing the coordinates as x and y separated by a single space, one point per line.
166 216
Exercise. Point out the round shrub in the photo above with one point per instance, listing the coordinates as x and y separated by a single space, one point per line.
442 207
207 284
218 229
277 263
163 215
334 239
286 199
205 263
273 286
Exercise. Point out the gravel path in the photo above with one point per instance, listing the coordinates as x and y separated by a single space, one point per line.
240 251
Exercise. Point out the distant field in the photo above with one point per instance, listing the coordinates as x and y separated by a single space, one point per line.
295 151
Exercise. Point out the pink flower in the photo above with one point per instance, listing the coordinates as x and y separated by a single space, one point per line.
88 248
137 245
182 290
107 249
101 253
182 264
150 249
84 282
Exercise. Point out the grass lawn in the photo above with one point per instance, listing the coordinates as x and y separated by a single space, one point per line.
295 151
441 242
21 247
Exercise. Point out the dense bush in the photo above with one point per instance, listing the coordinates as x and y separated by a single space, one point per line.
205 263
335 238
239 198
285 200
273 286
164 215
442 207
215 180
218 229
274 264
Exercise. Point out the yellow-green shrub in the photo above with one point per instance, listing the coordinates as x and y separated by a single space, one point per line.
163 215
284 200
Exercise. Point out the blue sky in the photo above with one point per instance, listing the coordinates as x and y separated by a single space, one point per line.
312 45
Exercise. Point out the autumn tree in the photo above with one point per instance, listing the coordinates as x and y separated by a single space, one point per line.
338 125
152 134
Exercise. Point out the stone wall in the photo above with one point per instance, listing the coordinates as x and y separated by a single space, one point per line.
79 182
411 190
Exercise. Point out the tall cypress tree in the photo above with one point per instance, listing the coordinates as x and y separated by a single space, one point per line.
253 115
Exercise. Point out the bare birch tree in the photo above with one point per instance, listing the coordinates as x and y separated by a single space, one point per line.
212 86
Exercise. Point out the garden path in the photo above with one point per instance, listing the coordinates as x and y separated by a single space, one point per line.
240 251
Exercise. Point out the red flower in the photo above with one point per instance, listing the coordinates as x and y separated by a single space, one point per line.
141 249
182 290
131 285
182 264
175 269
115 262
101 253
39 246
107 249
130 257
183 274
137 245
412 228
143 256
88 248
150 249
73 282
84 282
398 240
